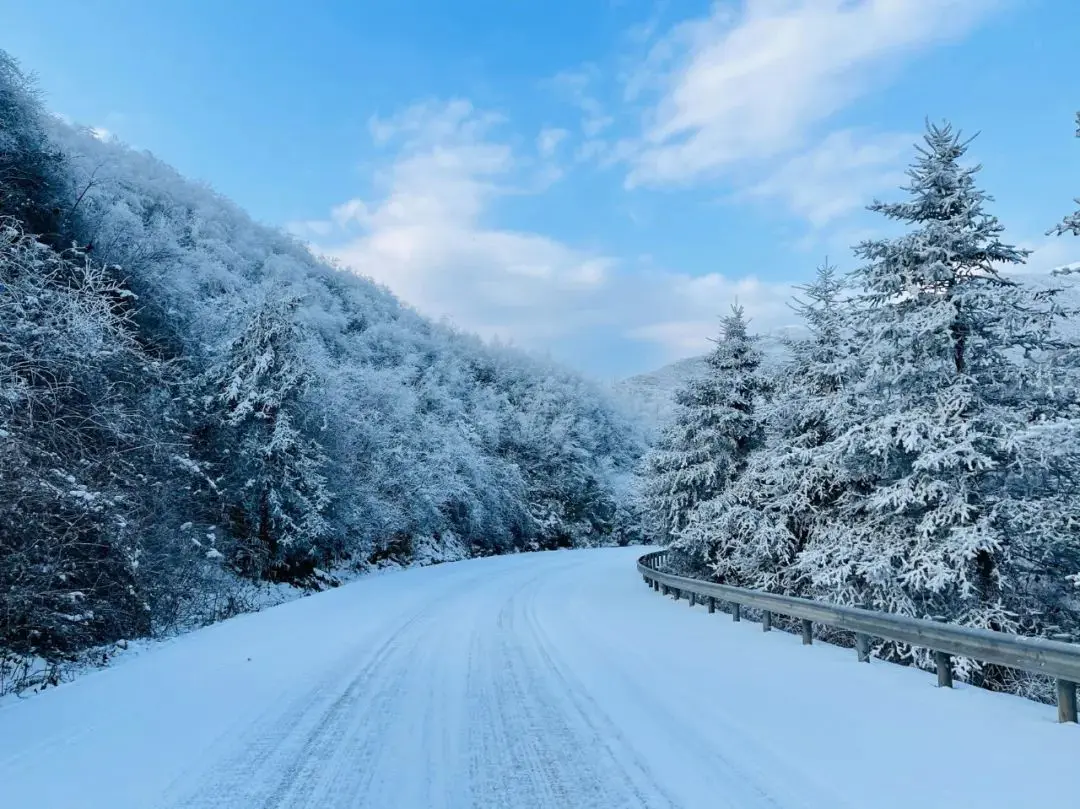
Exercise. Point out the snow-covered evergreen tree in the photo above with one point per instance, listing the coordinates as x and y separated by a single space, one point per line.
1054 439
924 525
1071 223
278 481
717 425
760 524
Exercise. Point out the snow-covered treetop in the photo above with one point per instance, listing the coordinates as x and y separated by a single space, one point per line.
1071 223
955 238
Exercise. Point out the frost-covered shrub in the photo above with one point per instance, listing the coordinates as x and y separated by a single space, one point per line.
32 182
68 367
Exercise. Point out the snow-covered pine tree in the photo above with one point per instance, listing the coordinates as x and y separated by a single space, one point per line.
717 426
1071 223
813 409
278 485
1054 440
923 526
762 522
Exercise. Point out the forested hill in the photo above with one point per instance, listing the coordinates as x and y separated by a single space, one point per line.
189 399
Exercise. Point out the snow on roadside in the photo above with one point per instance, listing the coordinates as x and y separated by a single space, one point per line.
38 675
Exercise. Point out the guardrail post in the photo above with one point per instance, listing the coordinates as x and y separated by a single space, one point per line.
766 621
944 669
862 646
693 599
655 585
712 605
1066 701
736 612
676 592
807 632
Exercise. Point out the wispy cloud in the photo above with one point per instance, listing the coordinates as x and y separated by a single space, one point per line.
1048 254
547 142
578 87
686 310
754 84
838 175
746 94
429 236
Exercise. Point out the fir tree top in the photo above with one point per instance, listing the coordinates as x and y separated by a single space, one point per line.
735 348
1071 223
955 238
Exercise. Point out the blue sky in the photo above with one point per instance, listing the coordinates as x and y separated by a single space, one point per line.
595 178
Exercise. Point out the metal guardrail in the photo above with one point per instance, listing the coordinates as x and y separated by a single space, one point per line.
1035 655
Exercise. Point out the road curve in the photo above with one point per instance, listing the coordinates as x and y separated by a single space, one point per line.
540 680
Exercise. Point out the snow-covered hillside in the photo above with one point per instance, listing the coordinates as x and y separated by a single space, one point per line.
193 402
1067 282
534 680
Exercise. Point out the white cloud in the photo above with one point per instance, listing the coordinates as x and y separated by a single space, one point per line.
428 240
428 236
745 93
753 85
681 313
679 338
577 87
309 228
841 174
549 139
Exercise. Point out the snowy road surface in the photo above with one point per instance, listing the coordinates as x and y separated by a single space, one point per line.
540 680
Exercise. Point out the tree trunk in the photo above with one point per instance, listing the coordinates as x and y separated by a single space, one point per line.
267 542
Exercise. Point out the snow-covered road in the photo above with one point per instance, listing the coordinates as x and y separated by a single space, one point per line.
540 680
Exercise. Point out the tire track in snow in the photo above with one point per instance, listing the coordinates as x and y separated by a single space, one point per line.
745 771
288 752
554 749
328 762
634 769
381 729
512 752
391 753
276 755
